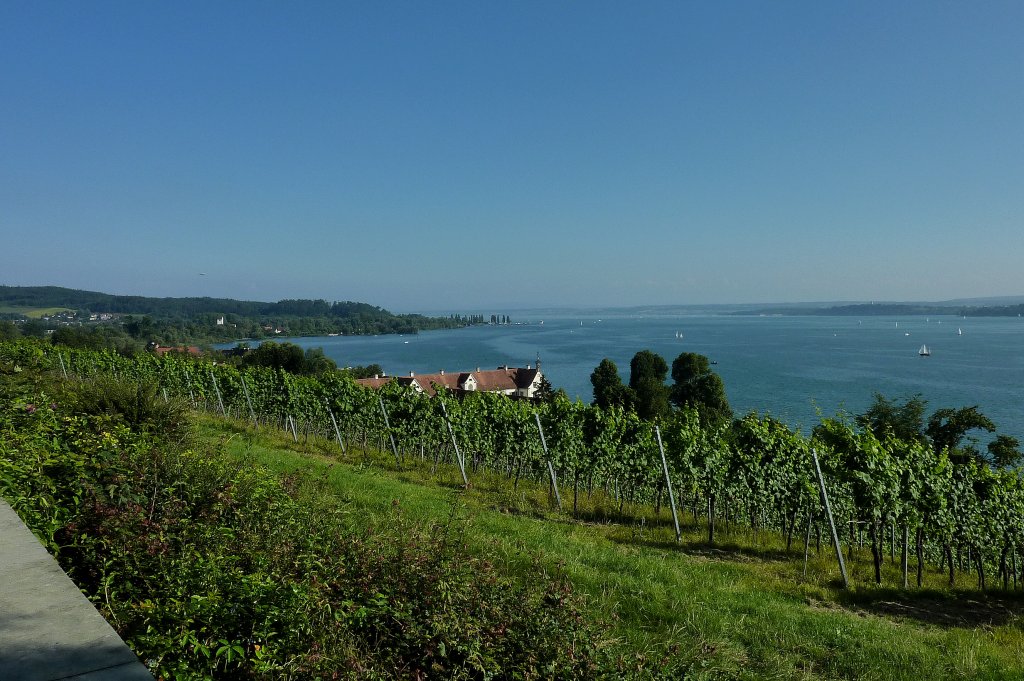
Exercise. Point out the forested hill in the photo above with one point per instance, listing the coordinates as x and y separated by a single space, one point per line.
218 319
75 299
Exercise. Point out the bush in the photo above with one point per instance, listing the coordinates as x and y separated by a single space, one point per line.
212 569
139 406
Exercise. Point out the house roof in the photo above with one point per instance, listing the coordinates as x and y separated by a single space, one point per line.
525 377
496 379
375 382
502 379
188 350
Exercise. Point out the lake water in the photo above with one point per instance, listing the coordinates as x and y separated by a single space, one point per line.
789 367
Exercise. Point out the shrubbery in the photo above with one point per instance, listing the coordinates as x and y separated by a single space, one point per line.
212 569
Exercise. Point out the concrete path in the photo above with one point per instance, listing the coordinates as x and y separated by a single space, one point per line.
48 629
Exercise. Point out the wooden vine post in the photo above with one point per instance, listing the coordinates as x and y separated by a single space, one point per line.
458 454
904 556
668 483
252 412
337 432
807 541
551 469
387 426
191 394
216 390
831 521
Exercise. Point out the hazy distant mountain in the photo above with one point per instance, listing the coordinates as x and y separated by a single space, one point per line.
986 302
992 306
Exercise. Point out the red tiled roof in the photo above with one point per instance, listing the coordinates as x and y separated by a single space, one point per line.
503 379
495 380
188 350
375 382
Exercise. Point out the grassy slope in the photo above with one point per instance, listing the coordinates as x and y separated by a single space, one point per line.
33 312
737 609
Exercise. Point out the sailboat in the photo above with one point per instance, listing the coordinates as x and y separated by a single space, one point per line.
959 331
924 351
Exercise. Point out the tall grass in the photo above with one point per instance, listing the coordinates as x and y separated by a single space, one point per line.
741 608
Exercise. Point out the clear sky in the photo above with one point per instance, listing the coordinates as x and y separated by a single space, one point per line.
470 155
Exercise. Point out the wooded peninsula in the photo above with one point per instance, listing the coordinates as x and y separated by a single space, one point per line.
104 320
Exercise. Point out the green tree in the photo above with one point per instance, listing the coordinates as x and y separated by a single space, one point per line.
316 362
368 371
948 427
647 372
9 331
1004 451
79 337
140 328
33 328
291 358
696 385
545 391
608 387
905 421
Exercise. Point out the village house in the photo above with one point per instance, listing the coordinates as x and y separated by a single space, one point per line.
513 381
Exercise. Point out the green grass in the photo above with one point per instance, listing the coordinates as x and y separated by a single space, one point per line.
738 609
33 312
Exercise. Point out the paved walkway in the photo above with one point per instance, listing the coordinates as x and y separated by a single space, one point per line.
48 629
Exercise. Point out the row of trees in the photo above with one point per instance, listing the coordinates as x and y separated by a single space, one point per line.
694 384
945 430
293 359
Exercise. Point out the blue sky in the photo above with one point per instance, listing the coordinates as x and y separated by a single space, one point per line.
429 156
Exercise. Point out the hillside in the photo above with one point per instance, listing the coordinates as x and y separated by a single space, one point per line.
741 609
278 551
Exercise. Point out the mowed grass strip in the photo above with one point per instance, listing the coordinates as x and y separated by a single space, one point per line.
739 609
33 312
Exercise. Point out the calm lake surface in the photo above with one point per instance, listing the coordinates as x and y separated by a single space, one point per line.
789 367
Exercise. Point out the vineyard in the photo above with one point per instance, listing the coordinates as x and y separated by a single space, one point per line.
901 498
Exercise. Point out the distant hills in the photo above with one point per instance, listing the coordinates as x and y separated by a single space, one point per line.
978 307
374 319
216 319
92 301
1002 306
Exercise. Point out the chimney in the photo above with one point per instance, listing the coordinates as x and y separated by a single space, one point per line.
442 372
411 374
376 376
